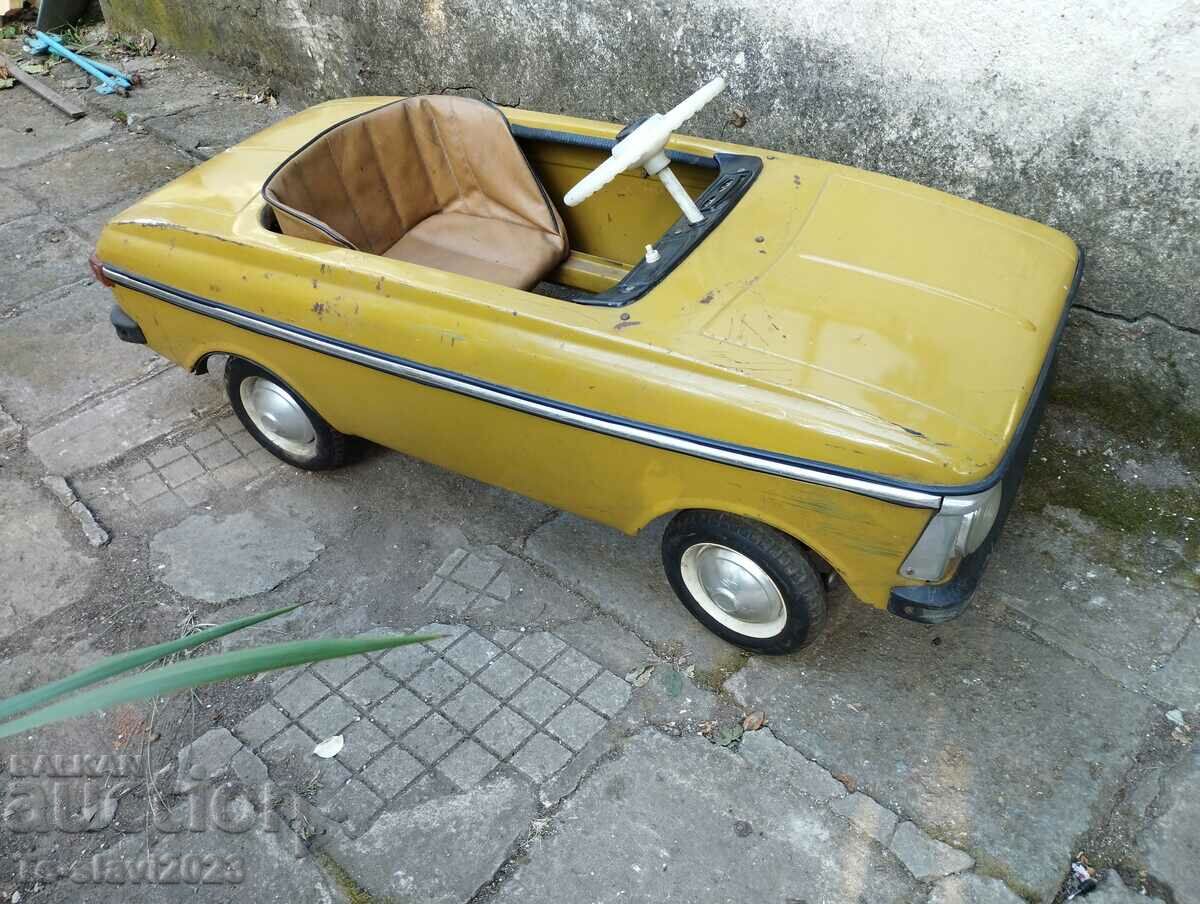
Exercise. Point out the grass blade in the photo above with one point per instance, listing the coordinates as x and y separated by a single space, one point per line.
123 662
205 670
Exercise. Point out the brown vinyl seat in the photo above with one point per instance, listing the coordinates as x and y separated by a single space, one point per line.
435 180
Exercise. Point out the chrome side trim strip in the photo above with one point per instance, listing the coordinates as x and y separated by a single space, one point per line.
645 434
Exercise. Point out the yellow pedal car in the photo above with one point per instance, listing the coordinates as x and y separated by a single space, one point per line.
815 369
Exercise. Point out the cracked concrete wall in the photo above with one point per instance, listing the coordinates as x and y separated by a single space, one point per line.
1083 116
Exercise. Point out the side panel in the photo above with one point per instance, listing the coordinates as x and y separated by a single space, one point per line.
614 481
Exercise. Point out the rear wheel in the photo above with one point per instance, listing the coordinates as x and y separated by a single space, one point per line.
279 418
744 581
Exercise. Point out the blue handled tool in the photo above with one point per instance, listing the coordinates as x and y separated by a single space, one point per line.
109 80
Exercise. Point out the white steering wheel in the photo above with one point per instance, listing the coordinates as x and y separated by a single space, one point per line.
644 147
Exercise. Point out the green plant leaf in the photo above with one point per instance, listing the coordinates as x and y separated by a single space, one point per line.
124 662
205 670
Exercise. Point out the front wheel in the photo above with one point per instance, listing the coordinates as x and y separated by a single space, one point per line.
282 422
744 581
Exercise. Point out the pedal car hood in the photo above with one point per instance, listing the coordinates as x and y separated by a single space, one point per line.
907 306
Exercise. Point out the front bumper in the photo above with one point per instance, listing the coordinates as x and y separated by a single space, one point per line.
933 604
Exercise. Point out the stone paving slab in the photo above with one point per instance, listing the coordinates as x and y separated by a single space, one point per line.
64 351
212 866
208 130
442 850
40 256
31 130
623 577
101 173
185 471
13 203
452 713
216 559
1125 621
42 568
1178 681
124 422
990 740
685 821
1171 841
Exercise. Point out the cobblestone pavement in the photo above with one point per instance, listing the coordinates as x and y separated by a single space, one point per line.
573 735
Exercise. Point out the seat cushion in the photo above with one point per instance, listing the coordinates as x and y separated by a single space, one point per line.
424 179
494 250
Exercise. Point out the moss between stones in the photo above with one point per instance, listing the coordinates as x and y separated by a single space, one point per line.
724 668
1137 411
1084 479
1081 479
354 892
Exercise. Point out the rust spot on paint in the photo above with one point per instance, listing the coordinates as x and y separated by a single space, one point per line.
318 308
626 323
707 297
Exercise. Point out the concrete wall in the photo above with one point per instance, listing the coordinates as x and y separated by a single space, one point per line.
1084 115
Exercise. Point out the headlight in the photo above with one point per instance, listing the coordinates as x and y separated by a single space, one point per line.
958 529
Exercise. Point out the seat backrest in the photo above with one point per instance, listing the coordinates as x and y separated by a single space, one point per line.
367 181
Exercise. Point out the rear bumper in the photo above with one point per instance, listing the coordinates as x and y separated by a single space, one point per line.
932 604
126 327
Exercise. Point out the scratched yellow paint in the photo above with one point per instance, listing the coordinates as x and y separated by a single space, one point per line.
812 322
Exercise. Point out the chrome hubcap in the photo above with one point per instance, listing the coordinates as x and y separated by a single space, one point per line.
733 589
279 417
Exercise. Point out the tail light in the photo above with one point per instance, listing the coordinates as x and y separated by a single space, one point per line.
98 271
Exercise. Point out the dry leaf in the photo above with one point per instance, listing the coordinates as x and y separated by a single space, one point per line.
754 721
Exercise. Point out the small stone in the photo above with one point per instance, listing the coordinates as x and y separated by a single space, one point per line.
925 857
61 490
96 535
1175 717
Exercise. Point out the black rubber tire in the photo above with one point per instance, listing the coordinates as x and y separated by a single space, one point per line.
331 445
780 556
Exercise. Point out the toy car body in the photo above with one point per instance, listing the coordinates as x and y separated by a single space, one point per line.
853 361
